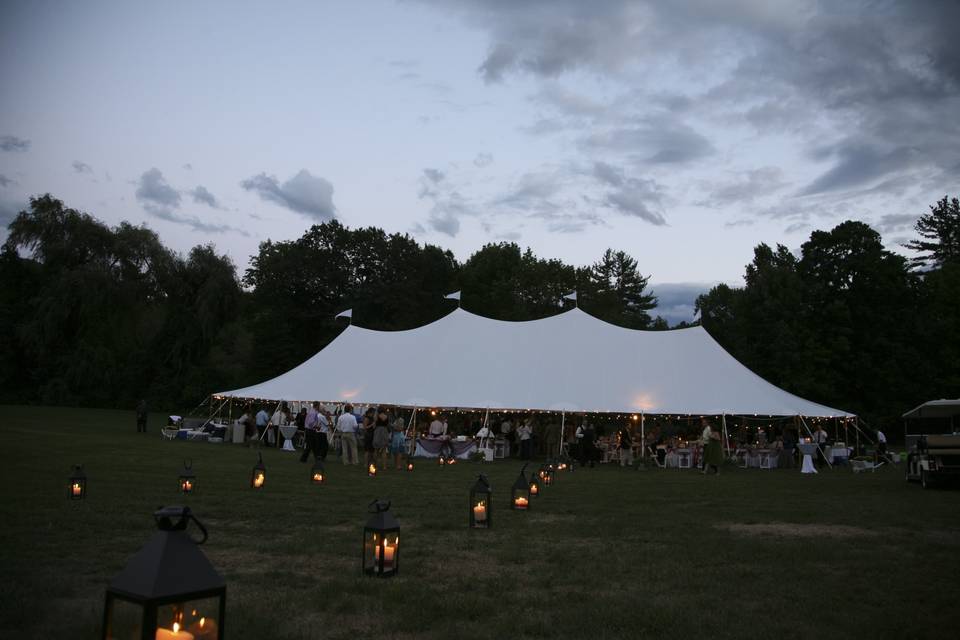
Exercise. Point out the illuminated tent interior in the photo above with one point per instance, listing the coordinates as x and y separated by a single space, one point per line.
569 362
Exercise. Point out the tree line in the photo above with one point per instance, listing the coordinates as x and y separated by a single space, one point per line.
92 315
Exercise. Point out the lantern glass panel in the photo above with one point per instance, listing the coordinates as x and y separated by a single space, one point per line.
77 484
381 552
481 516
193 616
188 483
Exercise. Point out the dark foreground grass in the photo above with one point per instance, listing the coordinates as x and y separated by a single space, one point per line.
604 554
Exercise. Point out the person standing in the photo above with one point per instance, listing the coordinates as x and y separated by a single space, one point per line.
712 450
881 445
438 428
398 441
523 432
347 426
311 441
262 419
381 437
626 446
820 438
324 434
142 416
276 421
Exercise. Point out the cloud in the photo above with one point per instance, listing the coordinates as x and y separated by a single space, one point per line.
483 160
154 193
304 193
638 198
676 301
13 143
81 167
796 226
162 201
864 93
188 166
201 195
608 174
745 188
657 140
433 175
739 223
895 222
6 182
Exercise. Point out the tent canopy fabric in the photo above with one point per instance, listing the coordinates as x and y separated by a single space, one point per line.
569 362
935 409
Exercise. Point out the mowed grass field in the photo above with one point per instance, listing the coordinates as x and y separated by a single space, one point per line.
606 553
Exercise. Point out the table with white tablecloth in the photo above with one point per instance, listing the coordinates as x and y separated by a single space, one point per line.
807 450
288 431
431 447
837 454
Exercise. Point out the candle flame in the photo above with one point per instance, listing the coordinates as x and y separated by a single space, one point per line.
176 627
203 621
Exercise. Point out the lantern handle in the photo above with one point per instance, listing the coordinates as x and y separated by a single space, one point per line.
379 506
202 528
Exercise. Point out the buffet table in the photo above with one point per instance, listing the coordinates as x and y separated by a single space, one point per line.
431 447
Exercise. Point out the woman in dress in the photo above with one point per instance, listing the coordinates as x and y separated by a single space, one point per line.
398 441
381 436
713 452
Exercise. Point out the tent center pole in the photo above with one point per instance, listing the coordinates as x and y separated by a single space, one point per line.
643 436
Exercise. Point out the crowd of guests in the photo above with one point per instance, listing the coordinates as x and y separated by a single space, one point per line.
378 434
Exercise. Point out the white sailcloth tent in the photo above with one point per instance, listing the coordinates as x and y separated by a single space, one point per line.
569 362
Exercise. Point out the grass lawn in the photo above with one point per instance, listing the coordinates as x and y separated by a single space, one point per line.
603 554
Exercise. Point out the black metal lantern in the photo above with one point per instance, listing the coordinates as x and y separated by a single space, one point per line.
188 480
442 460
77 483
520 494
381 542
481 513
409 466
258 477
318 474
534 487
546 476
168 590
372 470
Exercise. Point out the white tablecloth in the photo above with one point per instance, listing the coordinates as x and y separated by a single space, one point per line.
807 450
288 431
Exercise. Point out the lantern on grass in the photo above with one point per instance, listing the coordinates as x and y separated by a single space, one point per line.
442 460
481 516
188 480
381 542
452 460
77 483
546 476
534 487
168 590
318 475
520 494
372 470
259 475
409 466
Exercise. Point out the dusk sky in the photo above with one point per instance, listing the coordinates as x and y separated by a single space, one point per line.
684 133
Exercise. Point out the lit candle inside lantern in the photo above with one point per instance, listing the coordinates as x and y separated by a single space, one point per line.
174 634
258 481
76 489
318 477
372 470
480 512
204 629
521 502
409 466
534 490
187 486
389 550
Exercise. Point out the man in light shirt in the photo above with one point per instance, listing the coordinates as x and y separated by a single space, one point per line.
438 428
347 426
311 437
263 419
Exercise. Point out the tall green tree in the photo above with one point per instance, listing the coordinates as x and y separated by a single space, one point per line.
939 231
614 290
